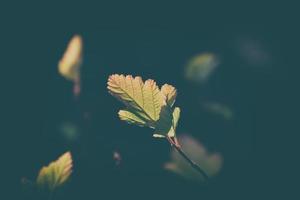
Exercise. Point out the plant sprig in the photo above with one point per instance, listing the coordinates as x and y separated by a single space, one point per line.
149 106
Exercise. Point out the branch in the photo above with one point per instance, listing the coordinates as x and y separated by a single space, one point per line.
174 143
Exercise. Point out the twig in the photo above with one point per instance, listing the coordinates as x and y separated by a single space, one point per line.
174 143
76 87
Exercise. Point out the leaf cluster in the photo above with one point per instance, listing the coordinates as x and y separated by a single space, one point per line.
147 105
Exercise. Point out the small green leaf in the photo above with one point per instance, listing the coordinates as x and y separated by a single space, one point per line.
176 116
56 173
164 126
167 124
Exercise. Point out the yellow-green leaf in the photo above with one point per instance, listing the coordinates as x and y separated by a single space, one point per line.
144 99
56 173
147 105
176 116
131 118
164 126
69 65
170 94
153 99
167 124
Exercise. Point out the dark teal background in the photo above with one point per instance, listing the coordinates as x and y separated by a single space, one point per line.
153 41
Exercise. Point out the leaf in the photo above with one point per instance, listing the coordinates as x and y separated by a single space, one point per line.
170 94
144 100
164 126
69 65
131 118
167 124
56 173
153 99
200 67
176 116
210 162
146 104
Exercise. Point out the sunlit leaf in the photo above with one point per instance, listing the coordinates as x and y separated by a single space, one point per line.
200 67
167 123
144 99
69 65
147 105
56 173
176 116
131 118
170 94
164 126
210 163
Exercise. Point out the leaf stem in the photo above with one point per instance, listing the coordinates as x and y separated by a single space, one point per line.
76 87
175 144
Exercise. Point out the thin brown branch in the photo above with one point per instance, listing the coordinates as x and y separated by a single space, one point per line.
175 144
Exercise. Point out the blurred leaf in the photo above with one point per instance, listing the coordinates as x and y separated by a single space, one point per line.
147 105
69 65
253 51
210 163
200 67
56 173
219 109
158 135
70 131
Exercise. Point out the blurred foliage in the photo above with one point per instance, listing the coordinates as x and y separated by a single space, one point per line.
59 121
56 173
200 67
50 180
211 163
219 109
70 131
69 65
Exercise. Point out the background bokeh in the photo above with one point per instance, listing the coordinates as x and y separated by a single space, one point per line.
255 78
